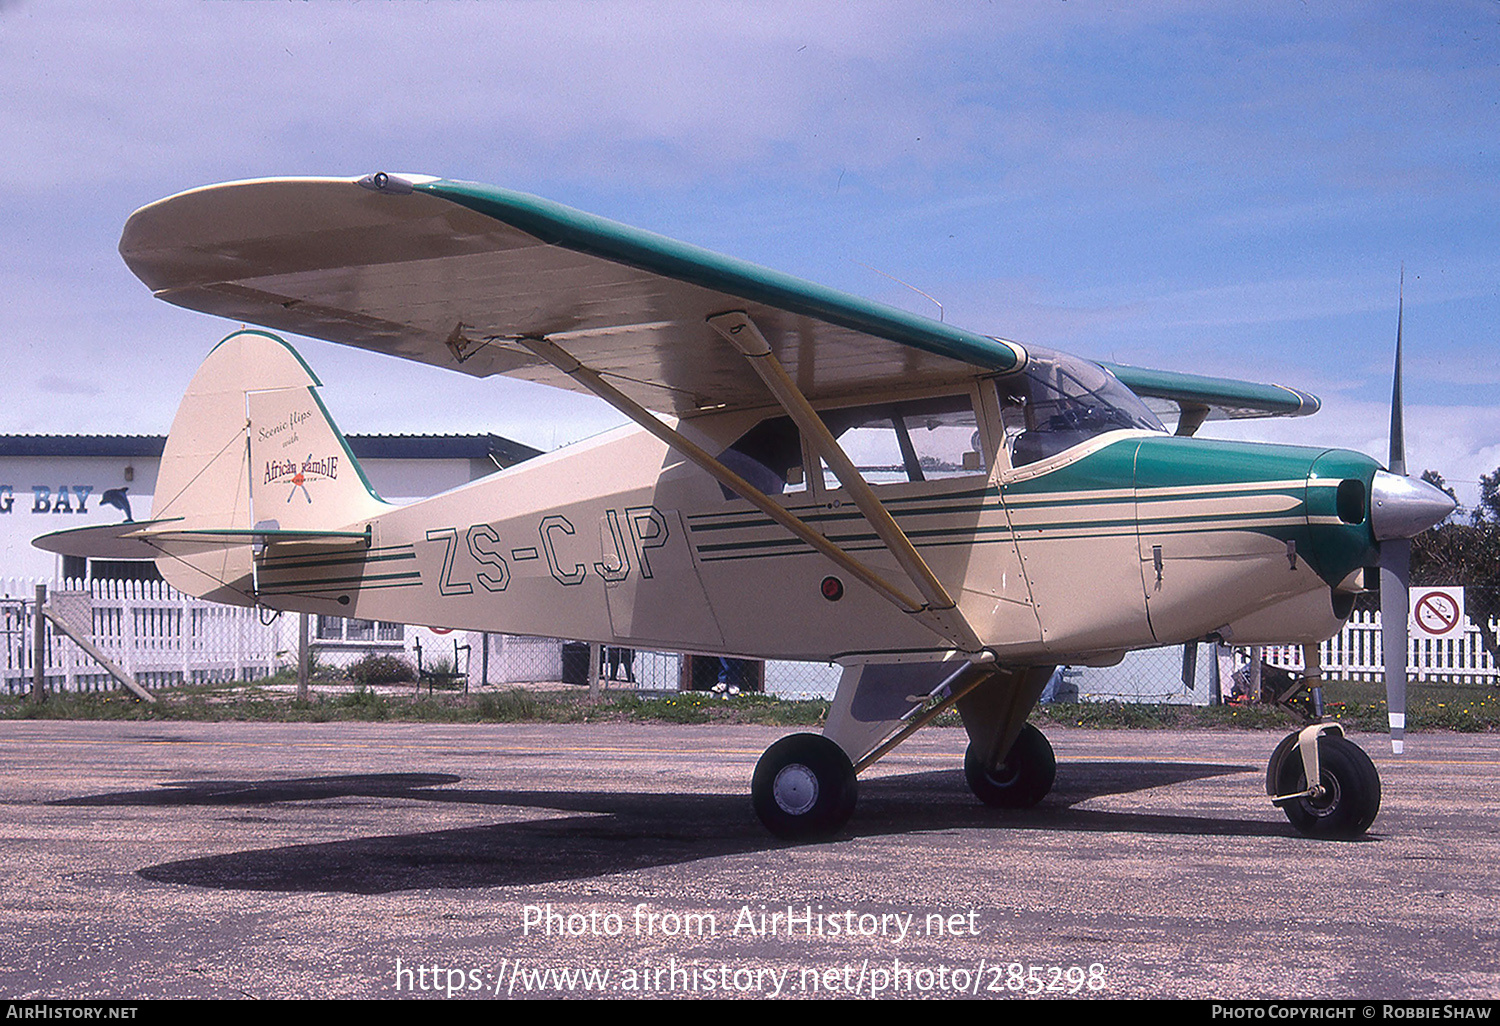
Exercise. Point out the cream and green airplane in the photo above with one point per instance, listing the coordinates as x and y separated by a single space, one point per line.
812 476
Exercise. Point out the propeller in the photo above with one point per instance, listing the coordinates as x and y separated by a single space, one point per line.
1400 509
1395 566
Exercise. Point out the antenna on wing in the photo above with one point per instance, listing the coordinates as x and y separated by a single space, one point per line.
908 284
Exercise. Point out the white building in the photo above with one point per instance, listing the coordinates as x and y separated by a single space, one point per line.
52 482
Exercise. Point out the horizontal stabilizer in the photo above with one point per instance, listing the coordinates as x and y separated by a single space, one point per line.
104 541
149 539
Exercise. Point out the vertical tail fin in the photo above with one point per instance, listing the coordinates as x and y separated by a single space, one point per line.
252 446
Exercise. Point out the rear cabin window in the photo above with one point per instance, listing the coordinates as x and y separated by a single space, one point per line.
769 456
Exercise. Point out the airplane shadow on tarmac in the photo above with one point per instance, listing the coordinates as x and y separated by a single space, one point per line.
615 832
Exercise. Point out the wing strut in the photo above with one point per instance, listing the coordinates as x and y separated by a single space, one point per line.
741 332
941 622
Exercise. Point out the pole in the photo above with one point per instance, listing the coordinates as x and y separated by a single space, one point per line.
303 660
39 647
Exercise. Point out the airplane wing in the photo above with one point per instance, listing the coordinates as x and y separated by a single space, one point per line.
451 273
1166 391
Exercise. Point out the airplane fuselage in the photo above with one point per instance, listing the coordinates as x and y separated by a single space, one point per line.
1128 540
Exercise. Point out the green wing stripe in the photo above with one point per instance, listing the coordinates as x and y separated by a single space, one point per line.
581 232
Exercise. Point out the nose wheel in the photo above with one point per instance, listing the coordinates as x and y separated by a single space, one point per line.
804 788
1346 798
1018 781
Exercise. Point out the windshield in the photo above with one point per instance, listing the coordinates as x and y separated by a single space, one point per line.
1060 401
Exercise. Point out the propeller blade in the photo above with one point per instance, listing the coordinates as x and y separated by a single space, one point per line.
1395 564
1398 428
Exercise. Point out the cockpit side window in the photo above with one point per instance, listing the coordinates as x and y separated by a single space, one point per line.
906 440
1059 402
909 440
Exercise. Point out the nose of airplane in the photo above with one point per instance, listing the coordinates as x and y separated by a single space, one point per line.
1404 507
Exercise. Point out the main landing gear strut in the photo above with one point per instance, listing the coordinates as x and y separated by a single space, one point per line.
804 786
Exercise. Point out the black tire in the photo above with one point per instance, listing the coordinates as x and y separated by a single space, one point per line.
1352 787
1021 779
1287 746
804 788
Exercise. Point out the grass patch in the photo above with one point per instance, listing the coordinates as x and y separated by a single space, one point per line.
257 702
1360 707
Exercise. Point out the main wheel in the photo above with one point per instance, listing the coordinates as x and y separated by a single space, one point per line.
1351 790
804 787
1018 781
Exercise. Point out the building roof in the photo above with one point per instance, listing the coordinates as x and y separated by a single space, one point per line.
82 445
366 447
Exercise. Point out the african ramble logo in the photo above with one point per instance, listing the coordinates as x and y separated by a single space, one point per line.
326 469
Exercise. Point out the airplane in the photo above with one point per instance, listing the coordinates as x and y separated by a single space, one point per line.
809 476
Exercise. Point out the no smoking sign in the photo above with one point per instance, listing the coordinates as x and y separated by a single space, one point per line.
1437 612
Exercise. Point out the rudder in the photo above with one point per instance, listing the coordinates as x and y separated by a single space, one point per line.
252 447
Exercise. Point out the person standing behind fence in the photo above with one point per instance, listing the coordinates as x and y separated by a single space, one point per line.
618 657
725 685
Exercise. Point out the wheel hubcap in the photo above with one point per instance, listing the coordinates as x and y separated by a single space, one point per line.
1004 775
795 789
1326 800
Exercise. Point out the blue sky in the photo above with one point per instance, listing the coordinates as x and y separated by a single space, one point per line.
1224 188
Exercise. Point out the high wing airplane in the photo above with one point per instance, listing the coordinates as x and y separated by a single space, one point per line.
812 476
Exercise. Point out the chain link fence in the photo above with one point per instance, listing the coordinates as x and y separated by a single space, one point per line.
163 638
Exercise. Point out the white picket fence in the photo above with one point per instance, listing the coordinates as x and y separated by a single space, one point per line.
1354 654
156 634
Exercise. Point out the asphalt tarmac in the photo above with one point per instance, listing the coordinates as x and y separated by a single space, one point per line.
182 860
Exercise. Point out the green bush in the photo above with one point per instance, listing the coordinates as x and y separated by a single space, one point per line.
372 670
363 705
